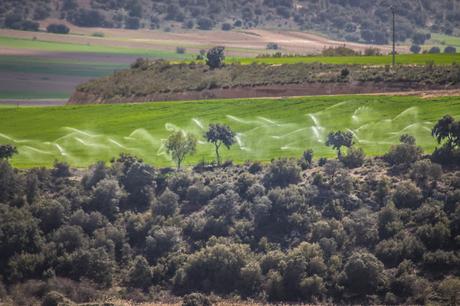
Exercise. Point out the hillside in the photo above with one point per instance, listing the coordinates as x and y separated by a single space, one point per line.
160 80
357 21
375 231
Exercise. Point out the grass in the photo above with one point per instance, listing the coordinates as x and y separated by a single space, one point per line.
443 41
33 94
52 66
405 59
266 128
50 46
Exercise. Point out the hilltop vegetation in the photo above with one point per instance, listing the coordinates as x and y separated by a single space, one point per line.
146 79
373 231
361 21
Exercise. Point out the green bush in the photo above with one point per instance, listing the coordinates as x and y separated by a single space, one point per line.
58 28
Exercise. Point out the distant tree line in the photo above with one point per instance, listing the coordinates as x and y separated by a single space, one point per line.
357 21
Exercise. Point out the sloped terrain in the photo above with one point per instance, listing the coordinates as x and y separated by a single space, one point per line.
364 20
160 80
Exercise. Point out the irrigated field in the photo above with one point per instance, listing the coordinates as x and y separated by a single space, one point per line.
403 59
266 128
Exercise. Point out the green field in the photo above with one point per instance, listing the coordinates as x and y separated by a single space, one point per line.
50 46
443 41
266 128
403 59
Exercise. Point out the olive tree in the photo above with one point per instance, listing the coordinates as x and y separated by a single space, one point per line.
215 57
179 145
339 139
220 134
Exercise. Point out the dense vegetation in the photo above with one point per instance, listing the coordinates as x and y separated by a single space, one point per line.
363 20
353 230
146 78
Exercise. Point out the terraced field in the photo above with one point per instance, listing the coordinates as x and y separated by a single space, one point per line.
266 128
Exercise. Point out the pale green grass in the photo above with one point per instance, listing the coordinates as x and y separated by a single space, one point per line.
443 41
21 43
403 59
266 128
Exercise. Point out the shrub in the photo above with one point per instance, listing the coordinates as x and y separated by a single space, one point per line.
98 34
226 27
196 299
363 274
139 275
61 169
434 50
415 49
355 158
338 51
180 50
214 268
58 28
450 50
282 173
54 298
372 52
215 57
205 24
7 151
403 154
272 46
407 195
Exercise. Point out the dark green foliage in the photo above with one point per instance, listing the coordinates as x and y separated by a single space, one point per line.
415 49
450 50
405 153
196 299
218 135
215 57
434 50
7 151
54 298
268 232
139 274
282 173
447 132
363 274
58 28
407 195
214 268
339 139
356 21
87 18
167 204
150 78
355 158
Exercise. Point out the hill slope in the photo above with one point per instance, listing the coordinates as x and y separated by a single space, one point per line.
353 20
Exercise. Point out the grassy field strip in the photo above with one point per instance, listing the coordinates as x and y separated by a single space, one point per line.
443 41
406 59
50 46
70 68
266 128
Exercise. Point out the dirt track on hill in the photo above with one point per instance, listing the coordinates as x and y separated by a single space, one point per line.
426 94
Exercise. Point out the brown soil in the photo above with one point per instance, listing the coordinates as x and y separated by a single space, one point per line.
290 90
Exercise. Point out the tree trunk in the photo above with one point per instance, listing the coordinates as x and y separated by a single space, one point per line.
217 155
